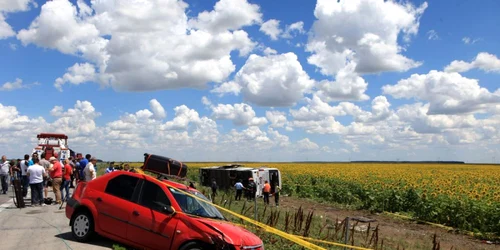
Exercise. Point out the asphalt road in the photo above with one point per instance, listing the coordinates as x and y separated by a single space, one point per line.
39 228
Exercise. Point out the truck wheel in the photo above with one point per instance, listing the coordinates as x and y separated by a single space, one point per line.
83 226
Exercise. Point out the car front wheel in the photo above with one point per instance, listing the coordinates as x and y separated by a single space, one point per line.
194 246
83 226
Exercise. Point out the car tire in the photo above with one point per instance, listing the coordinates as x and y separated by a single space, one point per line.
82 228
194 246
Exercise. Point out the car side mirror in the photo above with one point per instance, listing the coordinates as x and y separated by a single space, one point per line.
168 210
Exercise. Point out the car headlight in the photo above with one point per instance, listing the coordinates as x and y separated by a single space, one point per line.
256 247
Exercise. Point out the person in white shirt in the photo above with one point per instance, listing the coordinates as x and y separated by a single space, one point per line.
89 169
4 174
36 173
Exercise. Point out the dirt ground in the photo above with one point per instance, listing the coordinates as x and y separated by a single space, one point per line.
394 230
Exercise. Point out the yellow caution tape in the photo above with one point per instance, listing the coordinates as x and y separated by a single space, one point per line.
287 236
333 243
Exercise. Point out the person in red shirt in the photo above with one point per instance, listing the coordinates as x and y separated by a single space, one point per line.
56 175
67 173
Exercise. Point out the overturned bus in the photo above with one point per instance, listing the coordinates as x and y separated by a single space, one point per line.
226 176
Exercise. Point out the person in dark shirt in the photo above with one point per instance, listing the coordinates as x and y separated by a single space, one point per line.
214 188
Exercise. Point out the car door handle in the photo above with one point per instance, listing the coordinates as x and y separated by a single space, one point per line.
135 213
99 199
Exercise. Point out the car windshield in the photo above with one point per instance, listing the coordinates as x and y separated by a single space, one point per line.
196 207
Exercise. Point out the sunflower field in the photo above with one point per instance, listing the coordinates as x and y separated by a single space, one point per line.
462 196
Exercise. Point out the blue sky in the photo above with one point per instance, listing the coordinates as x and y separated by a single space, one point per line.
441 115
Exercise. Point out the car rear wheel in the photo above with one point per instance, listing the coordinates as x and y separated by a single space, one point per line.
83 226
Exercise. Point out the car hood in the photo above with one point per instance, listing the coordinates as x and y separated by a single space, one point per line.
233 234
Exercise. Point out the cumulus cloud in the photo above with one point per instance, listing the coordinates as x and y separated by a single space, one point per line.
269 51
227 87
17 84
483 61
157 109
11 6
276 118
77 74
149 46
447 93
306 144
365 30
228 15
293 29
77 122
239 113
348 86
262 77
271 28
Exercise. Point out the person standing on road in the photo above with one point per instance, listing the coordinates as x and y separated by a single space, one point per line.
83 164
36 174
46 179
265 192
68 171
25 182
4 174
56 174
89 170
239 189
72 163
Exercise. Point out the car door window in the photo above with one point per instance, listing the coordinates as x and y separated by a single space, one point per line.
153 197
122 186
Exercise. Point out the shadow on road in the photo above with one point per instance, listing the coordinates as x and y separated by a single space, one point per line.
98 241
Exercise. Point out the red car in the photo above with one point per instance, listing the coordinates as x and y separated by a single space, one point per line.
147 213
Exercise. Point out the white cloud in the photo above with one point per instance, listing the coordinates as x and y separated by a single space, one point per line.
5 29
77 122
271 28
77 74
11 6
158 110
447 93
269 51
432 35
273 80
484 61
59 27
228 15
348 86
227 87
277 118
366 31
306 144
294 29
239 113
17 84
153 45
468 40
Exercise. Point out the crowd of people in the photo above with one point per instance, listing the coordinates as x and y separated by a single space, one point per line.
251 190
39 173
